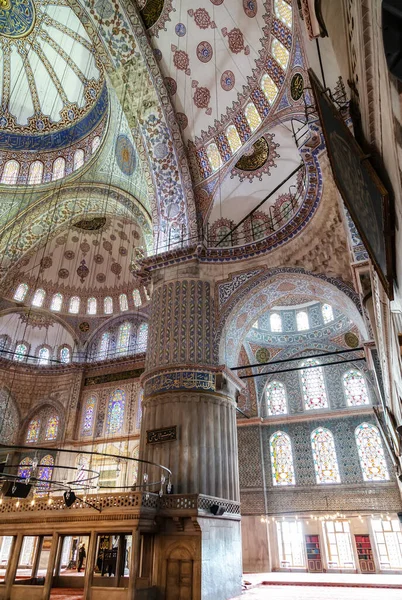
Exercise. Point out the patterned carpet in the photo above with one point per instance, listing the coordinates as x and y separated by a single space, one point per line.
281 592
66 594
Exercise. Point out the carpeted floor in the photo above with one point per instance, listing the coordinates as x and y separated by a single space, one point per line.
66 594
293 592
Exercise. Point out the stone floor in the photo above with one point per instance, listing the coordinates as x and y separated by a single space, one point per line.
292 592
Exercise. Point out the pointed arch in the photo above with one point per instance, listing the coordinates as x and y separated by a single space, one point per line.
25 468
44 356
52 428
57 302
324 456
142 337
38 298
21 292
123 340
371 453
115 412
276 398
354 386
281 459
313 385
88 418
33 431
45 472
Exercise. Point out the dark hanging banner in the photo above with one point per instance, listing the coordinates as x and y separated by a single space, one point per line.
361 189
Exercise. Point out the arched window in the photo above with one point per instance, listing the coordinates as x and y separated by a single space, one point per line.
20 352
142 337
115 412
269 88
327 313
82 464
89 416
123 340
104 345
123 302
4 342
275 322
137 298
136 454
44 356
21 292
280 53
10 172
324 456
355 388
33 431
314 392
252 116
95 144
371 453
39 297
281 459
65 354
57 302
108 305
45 472
52 428
79 159
214 157
276 398
74 305
25 468
283 11
91 307
59 168
302 321
35 173
233 138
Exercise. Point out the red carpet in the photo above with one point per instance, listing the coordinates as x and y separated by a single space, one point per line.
66 594
340 584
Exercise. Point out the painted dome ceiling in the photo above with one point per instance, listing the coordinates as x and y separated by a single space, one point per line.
53 89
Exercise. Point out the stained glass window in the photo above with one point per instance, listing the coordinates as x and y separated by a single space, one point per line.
276 398
79 157
115 412
281 459
314 392
57 302
214 157
20 352
38 298
233 138
10 172
89 414
269 88
123 340
33 431
21 292
327 313
65 354
91 308
45 473
355 388
324 456
95 144
371 453
35 173
284 12
136 453
59 168
280 53
108 305
25 468
252 116
123 302
104 345
82 463
52 428
43 356
137 298
302 321
74 305
142 337
275 322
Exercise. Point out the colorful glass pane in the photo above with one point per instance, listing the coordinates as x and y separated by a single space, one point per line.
89 414
115 412
355 388
314 392
79 158
95 144
214 157
276 398
284 12
74 305
83 464
10 172
57 302
59 168
136 454
52 428
123 302
43 356
302 323
65 355
25 468
280 53
123 340
38 298
137 298
21 292
108 305
45 474
91 308
33 431
324 456
20 352
327 313
142 337
104 345
371 453
35 173
281 459
233 138
275 322
252 116
269 88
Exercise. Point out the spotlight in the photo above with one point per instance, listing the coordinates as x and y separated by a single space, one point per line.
69 498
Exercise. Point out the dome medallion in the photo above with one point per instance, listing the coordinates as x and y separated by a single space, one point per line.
17 18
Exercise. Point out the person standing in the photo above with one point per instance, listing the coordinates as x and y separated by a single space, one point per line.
81 555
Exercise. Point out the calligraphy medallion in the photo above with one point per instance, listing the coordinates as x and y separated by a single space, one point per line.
297 86
17 18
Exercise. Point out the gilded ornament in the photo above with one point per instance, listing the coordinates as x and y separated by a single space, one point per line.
351 339
17 18
262 355
255 158
297 86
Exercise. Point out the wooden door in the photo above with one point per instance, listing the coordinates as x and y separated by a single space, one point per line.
179 576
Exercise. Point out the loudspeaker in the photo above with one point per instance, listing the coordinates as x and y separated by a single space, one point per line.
16 490
69 498
217 510
399 516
